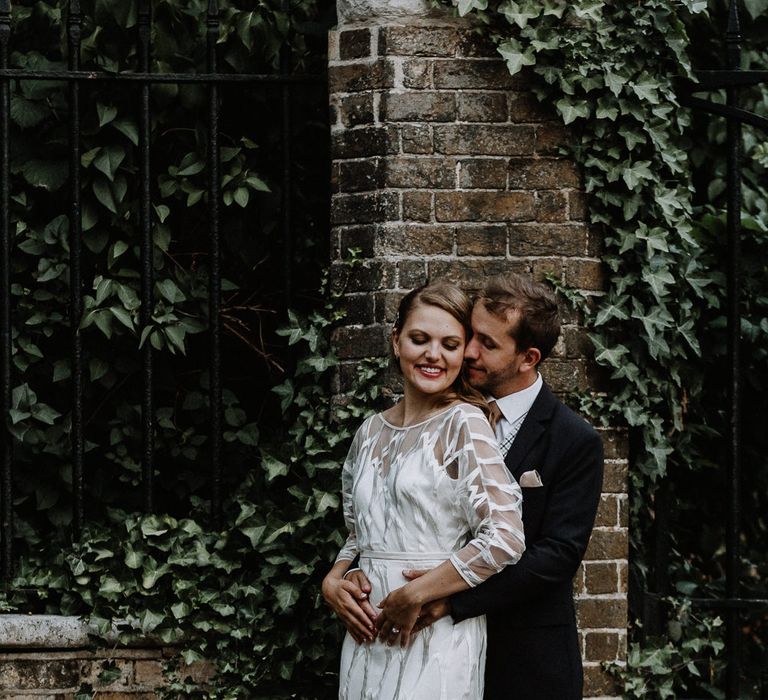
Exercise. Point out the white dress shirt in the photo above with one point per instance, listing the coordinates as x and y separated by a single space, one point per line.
514 408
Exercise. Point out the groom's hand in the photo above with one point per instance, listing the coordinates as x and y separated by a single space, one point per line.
431 612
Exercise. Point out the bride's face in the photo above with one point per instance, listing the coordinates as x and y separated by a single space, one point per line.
430 349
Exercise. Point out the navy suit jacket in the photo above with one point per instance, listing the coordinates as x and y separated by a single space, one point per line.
557 518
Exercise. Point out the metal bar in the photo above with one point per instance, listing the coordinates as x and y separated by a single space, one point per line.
728 111
285 68
147 262
6 479
731 603
75 272
214 292
25 74
733 637
716 79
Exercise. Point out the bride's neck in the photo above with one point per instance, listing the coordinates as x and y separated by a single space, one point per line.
415 407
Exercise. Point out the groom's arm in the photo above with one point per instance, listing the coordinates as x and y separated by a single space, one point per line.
564 536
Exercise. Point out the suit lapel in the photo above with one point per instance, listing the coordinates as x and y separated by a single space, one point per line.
533 426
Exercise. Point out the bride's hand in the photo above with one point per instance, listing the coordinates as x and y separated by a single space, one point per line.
399 612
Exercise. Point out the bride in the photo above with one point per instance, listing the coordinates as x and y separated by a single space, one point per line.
424 487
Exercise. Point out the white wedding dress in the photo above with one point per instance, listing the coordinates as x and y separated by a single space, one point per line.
414 497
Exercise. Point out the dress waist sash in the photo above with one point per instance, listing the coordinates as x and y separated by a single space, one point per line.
410 556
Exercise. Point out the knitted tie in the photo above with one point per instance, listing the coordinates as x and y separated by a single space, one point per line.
506 443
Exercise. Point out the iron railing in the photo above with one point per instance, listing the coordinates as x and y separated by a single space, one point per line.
143 78
733 80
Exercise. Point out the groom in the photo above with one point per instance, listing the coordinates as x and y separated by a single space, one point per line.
557 458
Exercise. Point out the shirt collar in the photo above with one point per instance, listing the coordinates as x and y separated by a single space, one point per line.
514 406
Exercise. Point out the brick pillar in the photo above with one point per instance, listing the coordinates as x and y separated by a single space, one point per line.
446 167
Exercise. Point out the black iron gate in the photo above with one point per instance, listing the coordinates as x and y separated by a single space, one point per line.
140 81
733 80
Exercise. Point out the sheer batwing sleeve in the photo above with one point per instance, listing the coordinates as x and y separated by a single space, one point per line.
490 497
349 550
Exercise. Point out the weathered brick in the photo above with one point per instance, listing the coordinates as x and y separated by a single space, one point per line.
615 443
615 477
601 646
624 512
577 342
359 175
585 274
364 208
422 106
565 375
552 139
543 174
417 206
484 139
481 107
545 267
547 239
361 238
481 240
363 142
484 206
420 172
411 273
600 577
386 305
149 674
578 581
418 41
470 274
354 43
598 683
599 613
39 674
415 239
551 206
417 74
483 173
474 74
358 308
355 342
356 109
524 107
356 77
623 576
366 276
577 206
473 43
416 138
607 511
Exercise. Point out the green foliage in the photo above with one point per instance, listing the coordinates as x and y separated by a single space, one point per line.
688 657
655 177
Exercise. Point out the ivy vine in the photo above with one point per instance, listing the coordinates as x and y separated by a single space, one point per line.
654 174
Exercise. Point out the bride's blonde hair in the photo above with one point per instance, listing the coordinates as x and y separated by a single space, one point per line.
449 298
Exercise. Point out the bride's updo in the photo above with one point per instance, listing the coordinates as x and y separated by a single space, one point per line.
451 299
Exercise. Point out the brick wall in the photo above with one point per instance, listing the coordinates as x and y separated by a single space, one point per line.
447 167
58 675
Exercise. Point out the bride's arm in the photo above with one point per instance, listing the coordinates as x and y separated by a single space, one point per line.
401 608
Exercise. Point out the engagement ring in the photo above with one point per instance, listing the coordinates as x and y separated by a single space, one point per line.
395 629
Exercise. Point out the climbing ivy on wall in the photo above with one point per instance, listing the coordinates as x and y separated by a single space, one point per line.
654 173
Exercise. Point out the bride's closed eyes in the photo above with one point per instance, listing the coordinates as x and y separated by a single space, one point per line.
449 344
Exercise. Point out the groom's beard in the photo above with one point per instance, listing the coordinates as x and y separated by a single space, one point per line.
489 382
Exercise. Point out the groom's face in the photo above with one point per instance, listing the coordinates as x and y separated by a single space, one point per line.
491 357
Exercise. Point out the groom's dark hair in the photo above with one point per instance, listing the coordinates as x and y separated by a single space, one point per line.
531 304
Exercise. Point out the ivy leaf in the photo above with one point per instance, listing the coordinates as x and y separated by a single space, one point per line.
103 193
514 57
128 129
109 160
571 111
286 595
106 113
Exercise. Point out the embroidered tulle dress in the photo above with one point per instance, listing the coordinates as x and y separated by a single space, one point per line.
414 497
